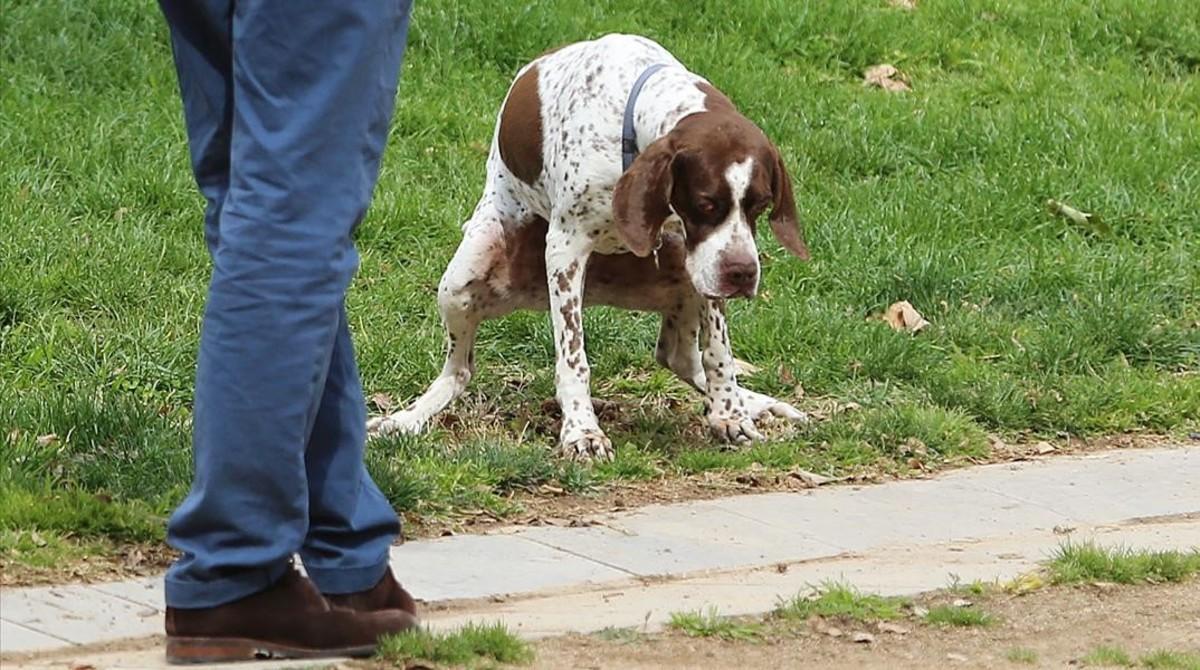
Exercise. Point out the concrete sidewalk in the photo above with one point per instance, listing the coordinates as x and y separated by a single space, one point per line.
738 553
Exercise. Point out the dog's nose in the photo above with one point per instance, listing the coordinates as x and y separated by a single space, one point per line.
741 277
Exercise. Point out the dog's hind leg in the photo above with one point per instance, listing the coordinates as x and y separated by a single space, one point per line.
467 294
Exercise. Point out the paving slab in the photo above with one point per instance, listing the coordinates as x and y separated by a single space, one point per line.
77 614
147 592
671 540
862 518
478 566
1098 487
16 637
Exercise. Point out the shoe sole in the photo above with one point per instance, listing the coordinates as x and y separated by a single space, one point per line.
194 650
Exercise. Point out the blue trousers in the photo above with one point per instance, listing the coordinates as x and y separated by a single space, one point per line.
287 105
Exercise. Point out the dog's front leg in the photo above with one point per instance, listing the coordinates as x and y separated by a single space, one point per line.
724 406
567 253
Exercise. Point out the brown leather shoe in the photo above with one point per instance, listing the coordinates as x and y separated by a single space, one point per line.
289 620
387 594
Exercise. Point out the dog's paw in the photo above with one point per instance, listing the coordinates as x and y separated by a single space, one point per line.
587 446
400 423
758 405
737 429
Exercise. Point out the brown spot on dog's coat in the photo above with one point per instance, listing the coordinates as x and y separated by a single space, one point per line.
520 135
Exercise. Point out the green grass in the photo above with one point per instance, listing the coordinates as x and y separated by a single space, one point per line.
1087 562
1171 660
473 645
1108 657
840 600
949 615
1021 655
935 197
710 623
625 635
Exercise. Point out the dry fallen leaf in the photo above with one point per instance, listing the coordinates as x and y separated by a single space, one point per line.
1086 219
962 602
903 4
956 657
863 637
811 479
1025 583
887 77
47 440
903 316
894 629
383 401
1043 447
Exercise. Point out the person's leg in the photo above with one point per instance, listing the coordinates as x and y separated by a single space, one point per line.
351 523
313 86
201 42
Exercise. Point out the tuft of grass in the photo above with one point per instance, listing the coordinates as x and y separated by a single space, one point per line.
1087 562
471 645
948 615
1171 660
1021 655
1108 657
977 587
709 623
833 599
41 550
70 511
626 635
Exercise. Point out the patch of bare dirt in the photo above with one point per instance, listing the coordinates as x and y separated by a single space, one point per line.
122 562
1058 625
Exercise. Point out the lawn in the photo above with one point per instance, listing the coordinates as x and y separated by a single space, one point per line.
1041 327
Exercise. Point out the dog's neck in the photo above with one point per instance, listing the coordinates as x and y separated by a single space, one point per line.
667 97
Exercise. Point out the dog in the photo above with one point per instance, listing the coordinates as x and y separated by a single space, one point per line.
616 177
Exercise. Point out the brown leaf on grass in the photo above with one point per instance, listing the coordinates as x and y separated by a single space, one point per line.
808 480
908 5
383 401
1088 220
887 77
904 317
47 439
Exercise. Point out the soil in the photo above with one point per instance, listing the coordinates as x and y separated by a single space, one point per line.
1060 625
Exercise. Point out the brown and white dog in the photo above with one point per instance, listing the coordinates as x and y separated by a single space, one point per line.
673 234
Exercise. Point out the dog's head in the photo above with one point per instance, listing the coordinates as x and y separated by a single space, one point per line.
717 172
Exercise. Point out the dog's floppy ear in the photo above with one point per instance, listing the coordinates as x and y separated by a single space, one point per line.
783 219
642 199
